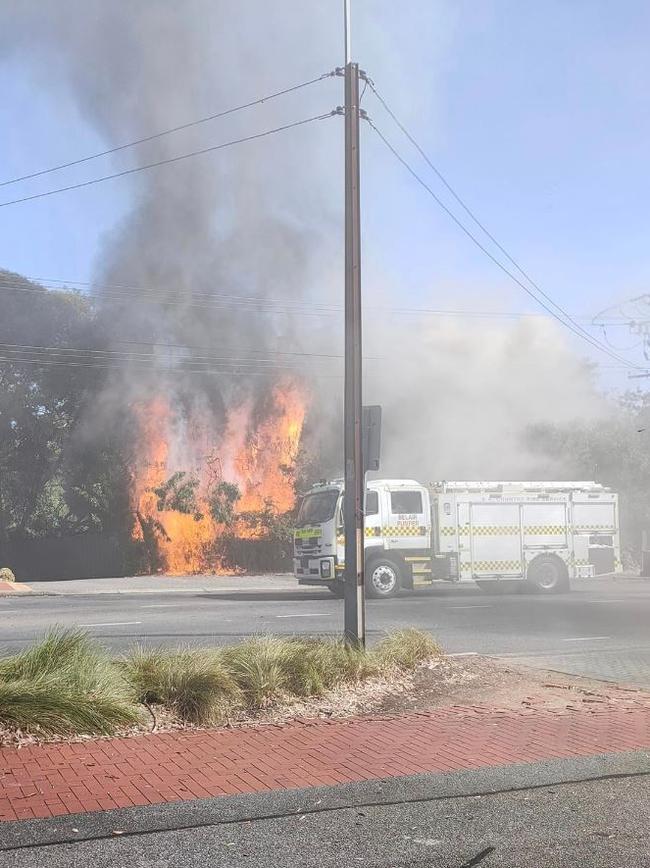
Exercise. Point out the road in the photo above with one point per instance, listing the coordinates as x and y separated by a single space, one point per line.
600 630
574 813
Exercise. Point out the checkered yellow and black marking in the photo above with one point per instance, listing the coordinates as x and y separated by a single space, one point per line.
493 530
580 528
506 530
544 529
492 566
407 530
368 532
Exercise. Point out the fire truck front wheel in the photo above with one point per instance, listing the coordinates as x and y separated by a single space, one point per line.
383 578
547 574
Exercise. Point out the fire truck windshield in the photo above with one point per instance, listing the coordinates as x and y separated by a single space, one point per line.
317 507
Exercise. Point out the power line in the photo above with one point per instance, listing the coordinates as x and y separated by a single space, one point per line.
481 226
169 160
136 359
253 299
131 355
576 329
166 369
166 345
259 304
206 301
167 132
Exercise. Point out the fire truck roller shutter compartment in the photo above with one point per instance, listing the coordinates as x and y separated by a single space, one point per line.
496 539
596 521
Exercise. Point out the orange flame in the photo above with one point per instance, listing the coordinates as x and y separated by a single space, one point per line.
256 454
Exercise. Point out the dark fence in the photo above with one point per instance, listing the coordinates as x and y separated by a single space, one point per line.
256 555
99 556
85 556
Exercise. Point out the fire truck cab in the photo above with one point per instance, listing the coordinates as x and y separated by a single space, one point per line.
543 534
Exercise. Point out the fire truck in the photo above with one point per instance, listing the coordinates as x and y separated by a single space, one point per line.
540 535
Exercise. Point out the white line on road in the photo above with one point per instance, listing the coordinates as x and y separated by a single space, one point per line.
112 624
586 638
612 600
160 606
469 607
464 654
306 615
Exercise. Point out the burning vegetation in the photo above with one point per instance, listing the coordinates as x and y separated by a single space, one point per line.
197 485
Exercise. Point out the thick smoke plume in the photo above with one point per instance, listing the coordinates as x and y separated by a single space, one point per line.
460 396
249 223
264 220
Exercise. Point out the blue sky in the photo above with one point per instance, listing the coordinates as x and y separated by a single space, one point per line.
537 113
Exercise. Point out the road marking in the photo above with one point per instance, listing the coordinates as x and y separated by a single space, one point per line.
464 654
613 600
469 607
306 615
112 624
586 638
160 606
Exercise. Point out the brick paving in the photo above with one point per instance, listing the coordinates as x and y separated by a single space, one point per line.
56 779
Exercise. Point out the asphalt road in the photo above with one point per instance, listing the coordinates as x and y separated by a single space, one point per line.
548 814
601 629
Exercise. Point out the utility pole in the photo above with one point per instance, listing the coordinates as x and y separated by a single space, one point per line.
355 627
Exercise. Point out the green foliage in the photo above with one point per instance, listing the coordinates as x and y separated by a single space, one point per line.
405 649
45 706
268 668
258 668
65 684
178 493
267 522
55 478
222 499
193 684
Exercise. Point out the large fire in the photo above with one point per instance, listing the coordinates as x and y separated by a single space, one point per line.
256 452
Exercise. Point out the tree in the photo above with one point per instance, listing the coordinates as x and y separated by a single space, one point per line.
53 479
614 450
178 493
222 499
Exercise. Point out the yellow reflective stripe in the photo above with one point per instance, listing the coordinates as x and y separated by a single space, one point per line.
307 532
404 530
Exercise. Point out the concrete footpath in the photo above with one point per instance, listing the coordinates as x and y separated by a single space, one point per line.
195 584
153 585
57 779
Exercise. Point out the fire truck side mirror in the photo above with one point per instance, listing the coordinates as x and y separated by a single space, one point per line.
371 437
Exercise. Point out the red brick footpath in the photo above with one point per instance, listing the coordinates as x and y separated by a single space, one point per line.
54 779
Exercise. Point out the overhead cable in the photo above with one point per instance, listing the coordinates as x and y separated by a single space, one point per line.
169 160
576 329
253 304
168 131
470 213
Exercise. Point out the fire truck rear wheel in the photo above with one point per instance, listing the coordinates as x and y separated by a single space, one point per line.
383 578
547 574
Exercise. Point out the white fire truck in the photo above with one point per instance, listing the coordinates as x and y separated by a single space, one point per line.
543 534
